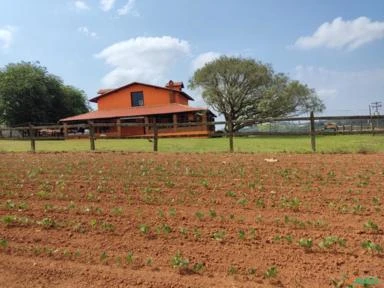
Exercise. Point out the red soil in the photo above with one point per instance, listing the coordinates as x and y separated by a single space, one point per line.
70 220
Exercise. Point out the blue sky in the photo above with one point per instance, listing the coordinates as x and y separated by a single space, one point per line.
336 47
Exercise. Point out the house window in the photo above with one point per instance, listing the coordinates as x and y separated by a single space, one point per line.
137 99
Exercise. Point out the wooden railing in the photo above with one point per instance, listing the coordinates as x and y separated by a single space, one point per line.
372 125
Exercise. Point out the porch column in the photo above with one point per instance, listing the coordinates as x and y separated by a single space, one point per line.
204 120
146 127
65 130
174 122
118 122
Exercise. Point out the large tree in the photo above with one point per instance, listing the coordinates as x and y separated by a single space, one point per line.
244 89
29 94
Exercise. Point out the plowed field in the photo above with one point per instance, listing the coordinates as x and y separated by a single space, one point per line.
190 220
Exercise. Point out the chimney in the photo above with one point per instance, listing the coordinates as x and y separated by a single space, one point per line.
175 85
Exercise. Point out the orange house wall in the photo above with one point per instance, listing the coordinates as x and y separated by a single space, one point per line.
152 97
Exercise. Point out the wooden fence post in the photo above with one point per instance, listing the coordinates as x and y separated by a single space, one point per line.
313 132
91 135
32 137
230 130
155 135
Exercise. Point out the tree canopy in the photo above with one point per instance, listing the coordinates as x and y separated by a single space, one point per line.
244 89
29 94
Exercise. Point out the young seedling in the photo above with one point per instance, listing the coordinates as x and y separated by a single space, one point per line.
108 227
196 233
260 203
219 235
47 223
271 272
3 243
231 194
198 267
212 213
232 270
242 201
199 215
117 211
293 203
242 234
179 262
306 243
367 281
172 212
149 261
330 241
370 225
129 258
104 257
144 228
371 246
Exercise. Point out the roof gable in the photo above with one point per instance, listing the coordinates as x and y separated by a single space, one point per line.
110 91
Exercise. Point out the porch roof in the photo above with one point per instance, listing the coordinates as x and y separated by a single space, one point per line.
135 111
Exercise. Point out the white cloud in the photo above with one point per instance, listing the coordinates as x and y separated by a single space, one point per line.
106 5
343 34
204 58
128 8
6 36
81 5
84 30
344 92
145 59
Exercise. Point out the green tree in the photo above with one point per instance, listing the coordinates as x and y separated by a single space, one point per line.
244 89
28 93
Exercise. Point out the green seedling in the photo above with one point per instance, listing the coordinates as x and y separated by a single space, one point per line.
231 194
306 243
198 267
103 257
367 281
47 223
271 272
172 212
260 203
117 211
109 227
199 215
232 270
330 241
144 228
212 213
371 246
370 225
219 235
242 234
129 258
242 201
293 203
3 243
179 262
149 261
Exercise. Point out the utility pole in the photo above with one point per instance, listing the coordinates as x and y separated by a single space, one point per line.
374 110
375 107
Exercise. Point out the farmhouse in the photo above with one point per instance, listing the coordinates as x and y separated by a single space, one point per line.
145 103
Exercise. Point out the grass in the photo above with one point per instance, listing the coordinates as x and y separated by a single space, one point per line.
270 144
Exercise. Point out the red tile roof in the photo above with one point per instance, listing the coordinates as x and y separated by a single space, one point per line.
94 99
135 111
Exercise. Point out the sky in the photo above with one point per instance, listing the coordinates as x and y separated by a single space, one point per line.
333 46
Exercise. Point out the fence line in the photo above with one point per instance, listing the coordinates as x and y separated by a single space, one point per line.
375 125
